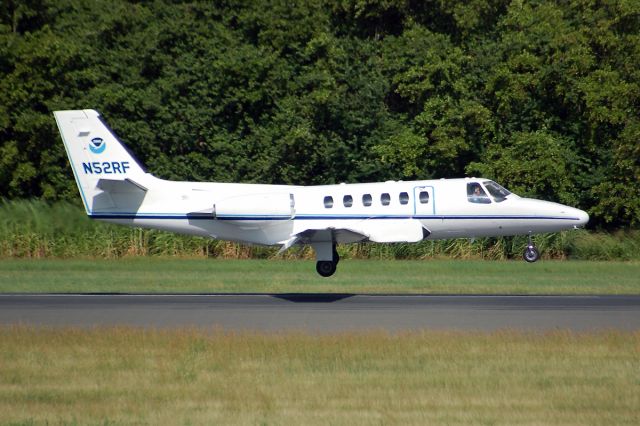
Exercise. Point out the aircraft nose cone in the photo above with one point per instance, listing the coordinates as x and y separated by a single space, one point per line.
583 217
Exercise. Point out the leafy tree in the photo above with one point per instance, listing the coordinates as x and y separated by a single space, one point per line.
536 164
542 96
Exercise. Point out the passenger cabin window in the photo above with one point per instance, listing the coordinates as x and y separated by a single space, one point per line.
404 198
385 199
328 202
475 194
498 193
367 200
424 197
347 200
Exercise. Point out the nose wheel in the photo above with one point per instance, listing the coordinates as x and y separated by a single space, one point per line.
531 253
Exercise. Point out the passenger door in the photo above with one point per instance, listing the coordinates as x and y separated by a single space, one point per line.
424 203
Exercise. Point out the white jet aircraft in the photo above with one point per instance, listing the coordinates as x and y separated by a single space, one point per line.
115 188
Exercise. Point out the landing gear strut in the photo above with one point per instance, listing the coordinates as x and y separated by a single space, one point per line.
326 268
531 253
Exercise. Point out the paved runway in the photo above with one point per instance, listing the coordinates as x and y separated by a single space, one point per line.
325 312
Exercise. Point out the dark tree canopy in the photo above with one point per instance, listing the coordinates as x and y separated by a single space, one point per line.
542 96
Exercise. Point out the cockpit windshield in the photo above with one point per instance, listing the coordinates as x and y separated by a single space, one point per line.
498 192
475 194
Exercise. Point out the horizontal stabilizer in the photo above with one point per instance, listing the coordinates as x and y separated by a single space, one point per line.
120 186
123 195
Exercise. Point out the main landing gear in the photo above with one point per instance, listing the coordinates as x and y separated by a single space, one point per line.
531 253
326 268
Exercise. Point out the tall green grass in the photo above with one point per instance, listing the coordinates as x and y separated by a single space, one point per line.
35 229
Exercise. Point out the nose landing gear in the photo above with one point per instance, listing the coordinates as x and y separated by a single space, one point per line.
531 253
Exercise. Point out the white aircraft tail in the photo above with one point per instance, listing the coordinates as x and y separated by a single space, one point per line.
109 178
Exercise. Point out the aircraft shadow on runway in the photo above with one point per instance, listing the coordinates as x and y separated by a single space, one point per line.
313 297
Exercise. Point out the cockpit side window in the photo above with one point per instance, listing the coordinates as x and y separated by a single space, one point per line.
498 193
475 194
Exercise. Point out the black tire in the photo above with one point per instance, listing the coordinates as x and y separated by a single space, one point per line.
531 254
326 268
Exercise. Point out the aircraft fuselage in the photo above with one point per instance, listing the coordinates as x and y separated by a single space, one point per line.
270 214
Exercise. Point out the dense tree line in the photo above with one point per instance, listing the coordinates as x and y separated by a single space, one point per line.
542 96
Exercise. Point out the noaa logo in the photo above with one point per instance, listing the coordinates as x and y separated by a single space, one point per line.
97 145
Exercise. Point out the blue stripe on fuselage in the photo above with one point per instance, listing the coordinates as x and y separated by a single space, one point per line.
314 217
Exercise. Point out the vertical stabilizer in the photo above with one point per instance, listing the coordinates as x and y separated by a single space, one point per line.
97 157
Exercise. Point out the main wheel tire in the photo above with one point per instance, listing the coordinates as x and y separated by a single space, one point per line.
531 254
326 268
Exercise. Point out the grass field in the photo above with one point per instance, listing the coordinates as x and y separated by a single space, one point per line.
297 276
112 376
132 376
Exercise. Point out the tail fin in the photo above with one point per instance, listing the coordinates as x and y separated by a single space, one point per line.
108 176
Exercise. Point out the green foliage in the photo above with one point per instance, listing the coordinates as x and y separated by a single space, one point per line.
536 164
542 96
35 229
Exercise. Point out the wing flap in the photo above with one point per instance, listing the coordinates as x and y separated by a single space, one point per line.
379 231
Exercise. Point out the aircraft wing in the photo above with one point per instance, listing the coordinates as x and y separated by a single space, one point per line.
378 231
338 235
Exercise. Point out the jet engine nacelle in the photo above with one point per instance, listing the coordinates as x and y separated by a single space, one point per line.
274 206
